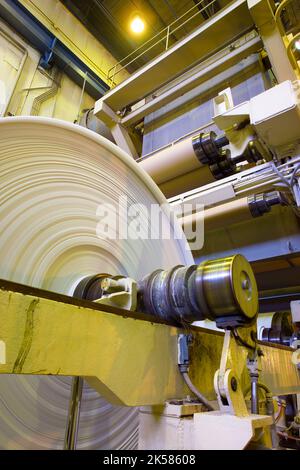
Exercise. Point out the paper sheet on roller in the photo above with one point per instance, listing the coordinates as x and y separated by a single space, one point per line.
53 177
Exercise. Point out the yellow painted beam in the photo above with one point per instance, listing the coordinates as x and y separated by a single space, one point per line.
130 361
71 32
134 361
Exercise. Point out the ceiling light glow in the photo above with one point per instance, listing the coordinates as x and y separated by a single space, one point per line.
297 45
137 25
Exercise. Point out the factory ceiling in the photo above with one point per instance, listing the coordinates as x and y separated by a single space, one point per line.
109 21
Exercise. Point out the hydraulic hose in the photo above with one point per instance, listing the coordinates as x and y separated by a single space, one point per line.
196 392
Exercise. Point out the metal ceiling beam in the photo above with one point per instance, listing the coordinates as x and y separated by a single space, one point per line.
223 28
107 31
49 46
227 60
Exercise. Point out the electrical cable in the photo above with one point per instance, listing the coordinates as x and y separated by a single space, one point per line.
288 436
281 176
293 177
278 416
259 385
288 182
196 392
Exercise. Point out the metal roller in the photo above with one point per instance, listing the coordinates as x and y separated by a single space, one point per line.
189 163
233 212
223 290
171 162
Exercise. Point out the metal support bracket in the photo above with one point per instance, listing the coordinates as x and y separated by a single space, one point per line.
120 293
120 134
227 386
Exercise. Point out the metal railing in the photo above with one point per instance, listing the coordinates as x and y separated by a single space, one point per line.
165 39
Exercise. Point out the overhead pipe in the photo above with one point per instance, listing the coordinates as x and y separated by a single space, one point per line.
233 212
47 95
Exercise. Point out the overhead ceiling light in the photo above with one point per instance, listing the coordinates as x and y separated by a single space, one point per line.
137 25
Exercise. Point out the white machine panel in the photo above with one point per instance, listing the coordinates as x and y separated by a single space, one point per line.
276 114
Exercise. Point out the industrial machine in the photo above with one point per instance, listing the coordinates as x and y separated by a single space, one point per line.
137 319
103 290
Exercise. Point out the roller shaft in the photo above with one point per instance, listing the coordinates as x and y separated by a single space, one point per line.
217 217
189 163
222 290
233 212
171 162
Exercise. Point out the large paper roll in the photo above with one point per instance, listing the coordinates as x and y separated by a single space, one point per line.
53 177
